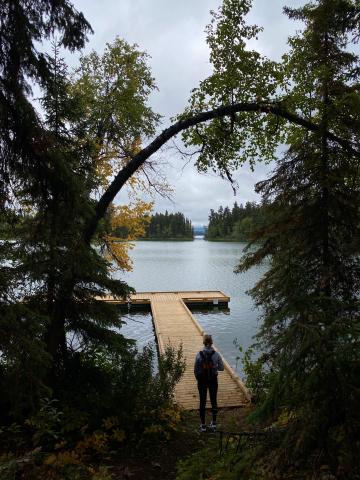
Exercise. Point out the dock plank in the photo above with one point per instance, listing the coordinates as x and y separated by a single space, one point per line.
175 325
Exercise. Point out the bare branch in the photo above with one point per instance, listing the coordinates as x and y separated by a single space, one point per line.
184 154
158 187
233 183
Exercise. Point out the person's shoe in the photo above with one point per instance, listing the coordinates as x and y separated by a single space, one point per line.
202 427
212 426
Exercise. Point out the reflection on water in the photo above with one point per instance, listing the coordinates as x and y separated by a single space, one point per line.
138 326
198 265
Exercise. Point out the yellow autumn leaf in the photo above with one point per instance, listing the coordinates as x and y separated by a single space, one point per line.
50 459
132 219
118 435
110 422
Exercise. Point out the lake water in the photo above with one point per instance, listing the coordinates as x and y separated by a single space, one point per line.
197 265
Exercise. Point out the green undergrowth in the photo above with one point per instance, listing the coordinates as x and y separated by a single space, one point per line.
216 457
106 408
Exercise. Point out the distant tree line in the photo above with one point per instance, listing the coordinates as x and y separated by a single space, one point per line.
169 226
236 224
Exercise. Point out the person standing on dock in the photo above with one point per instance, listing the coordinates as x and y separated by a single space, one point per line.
208 363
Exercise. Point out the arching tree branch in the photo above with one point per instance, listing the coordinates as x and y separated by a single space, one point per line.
260 107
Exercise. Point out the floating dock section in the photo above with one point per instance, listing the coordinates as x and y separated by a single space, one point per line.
175 325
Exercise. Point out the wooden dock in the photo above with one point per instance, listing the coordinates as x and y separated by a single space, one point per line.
175 325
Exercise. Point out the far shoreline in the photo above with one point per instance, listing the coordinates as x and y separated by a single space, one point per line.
185 239
197 237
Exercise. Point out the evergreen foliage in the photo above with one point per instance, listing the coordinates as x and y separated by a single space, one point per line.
109 402
310 295
169 226
39 178
51 269
51 278
23 25
236 224
309 337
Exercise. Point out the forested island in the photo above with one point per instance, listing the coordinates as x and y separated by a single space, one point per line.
169 226
236 224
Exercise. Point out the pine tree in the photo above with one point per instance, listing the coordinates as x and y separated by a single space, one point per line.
169 226
310 294
49 267
23 24
28 172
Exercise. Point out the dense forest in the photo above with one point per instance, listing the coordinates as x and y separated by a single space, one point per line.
236 224
169 226
76 395
161 226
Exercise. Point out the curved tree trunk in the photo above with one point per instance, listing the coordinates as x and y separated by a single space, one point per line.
138 160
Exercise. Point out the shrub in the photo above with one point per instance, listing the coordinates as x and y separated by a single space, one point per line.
107 400
258 375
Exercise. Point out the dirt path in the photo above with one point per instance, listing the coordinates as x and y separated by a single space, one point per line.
158 461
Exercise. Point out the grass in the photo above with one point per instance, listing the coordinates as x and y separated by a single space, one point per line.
158 460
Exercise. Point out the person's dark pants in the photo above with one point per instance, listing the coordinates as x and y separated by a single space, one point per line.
203 387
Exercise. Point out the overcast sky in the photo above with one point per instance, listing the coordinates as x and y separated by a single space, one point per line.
172 33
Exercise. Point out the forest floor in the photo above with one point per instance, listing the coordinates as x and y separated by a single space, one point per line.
158 460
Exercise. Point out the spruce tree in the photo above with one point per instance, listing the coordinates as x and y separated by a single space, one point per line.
29 171
23 25
310 294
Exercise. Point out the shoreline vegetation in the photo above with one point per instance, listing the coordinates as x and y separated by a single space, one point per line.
166 239
225 240
182 239
236 225
163 227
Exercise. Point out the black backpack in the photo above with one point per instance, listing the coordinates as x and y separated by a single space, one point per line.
207 366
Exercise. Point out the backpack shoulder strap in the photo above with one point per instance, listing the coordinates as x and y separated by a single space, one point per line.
207 355
211 356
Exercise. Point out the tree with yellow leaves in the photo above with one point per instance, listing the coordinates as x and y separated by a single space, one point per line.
111 90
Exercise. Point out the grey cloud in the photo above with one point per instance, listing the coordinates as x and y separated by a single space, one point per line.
196 193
